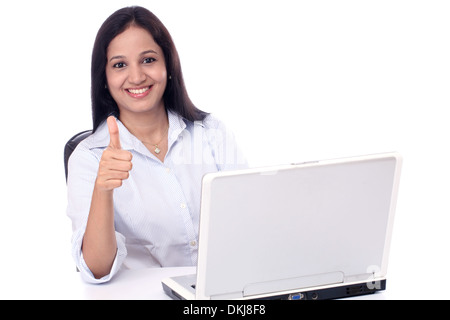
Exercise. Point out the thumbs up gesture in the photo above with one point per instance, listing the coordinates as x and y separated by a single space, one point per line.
115 163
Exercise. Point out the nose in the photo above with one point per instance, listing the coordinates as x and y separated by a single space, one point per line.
136 75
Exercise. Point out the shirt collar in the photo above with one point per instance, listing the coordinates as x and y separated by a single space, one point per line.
100 139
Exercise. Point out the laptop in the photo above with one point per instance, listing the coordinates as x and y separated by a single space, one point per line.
313 230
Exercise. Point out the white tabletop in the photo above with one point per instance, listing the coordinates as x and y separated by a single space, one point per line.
137 284
133 284
140 284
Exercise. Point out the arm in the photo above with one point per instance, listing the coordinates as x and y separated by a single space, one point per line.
99 244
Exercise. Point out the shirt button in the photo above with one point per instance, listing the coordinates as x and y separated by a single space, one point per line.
183 205
193 243
167 170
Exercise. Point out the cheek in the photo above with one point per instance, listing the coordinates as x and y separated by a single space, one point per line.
159 75
112 80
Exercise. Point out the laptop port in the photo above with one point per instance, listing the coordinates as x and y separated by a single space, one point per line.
297 296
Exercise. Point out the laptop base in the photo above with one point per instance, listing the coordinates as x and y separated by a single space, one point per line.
344 291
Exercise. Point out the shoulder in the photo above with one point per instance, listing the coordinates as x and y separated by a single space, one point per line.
84 157
209 122
216 131
99 139
212 122
89 149
212 127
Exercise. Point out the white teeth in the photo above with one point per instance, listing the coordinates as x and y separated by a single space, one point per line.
138 91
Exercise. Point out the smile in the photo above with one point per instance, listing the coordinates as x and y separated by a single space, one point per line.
139 92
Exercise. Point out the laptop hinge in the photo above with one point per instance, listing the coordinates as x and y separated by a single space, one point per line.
227 296
293 283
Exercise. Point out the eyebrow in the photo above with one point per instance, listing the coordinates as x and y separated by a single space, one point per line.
142 53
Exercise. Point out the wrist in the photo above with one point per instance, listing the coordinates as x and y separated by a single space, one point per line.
101 190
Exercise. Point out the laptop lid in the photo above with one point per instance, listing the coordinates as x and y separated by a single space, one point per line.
274 229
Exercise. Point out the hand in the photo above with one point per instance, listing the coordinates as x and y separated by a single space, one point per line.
115 163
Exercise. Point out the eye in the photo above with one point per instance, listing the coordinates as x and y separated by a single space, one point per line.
148 60
119 65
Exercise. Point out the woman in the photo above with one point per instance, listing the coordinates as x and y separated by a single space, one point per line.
134 184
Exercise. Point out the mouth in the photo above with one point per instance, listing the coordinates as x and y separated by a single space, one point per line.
139 92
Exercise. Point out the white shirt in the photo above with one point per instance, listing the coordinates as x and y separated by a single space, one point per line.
156 210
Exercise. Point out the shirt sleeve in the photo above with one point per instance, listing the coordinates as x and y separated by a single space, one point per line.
82 172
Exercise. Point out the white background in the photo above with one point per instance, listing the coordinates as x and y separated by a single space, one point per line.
294 80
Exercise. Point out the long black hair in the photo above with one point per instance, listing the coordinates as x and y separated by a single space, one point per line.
175 96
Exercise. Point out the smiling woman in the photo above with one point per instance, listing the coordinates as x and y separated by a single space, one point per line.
175 96
133 186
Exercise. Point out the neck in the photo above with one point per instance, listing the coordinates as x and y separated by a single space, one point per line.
146 126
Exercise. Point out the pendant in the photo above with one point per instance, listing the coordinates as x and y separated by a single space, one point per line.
157 150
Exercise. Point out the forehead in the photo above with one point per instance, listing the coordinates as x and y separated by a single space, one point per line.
132 41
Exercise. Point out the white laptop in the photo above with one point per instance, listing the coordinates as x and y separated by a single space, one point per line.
315 230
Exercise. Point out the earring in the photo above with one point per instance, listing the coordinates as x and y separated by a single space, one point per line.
170 77
106 86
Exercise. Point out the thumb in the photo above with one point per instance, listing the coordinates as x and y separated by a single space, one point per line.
114 141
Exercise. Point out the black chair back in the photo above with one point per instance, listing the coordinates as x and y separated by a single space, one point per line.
72 144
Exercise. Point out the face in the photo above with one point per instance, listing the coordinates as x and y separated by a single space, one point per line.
136 71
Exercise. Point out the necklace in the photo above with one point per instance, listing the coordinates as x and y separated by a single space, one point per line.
157 150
